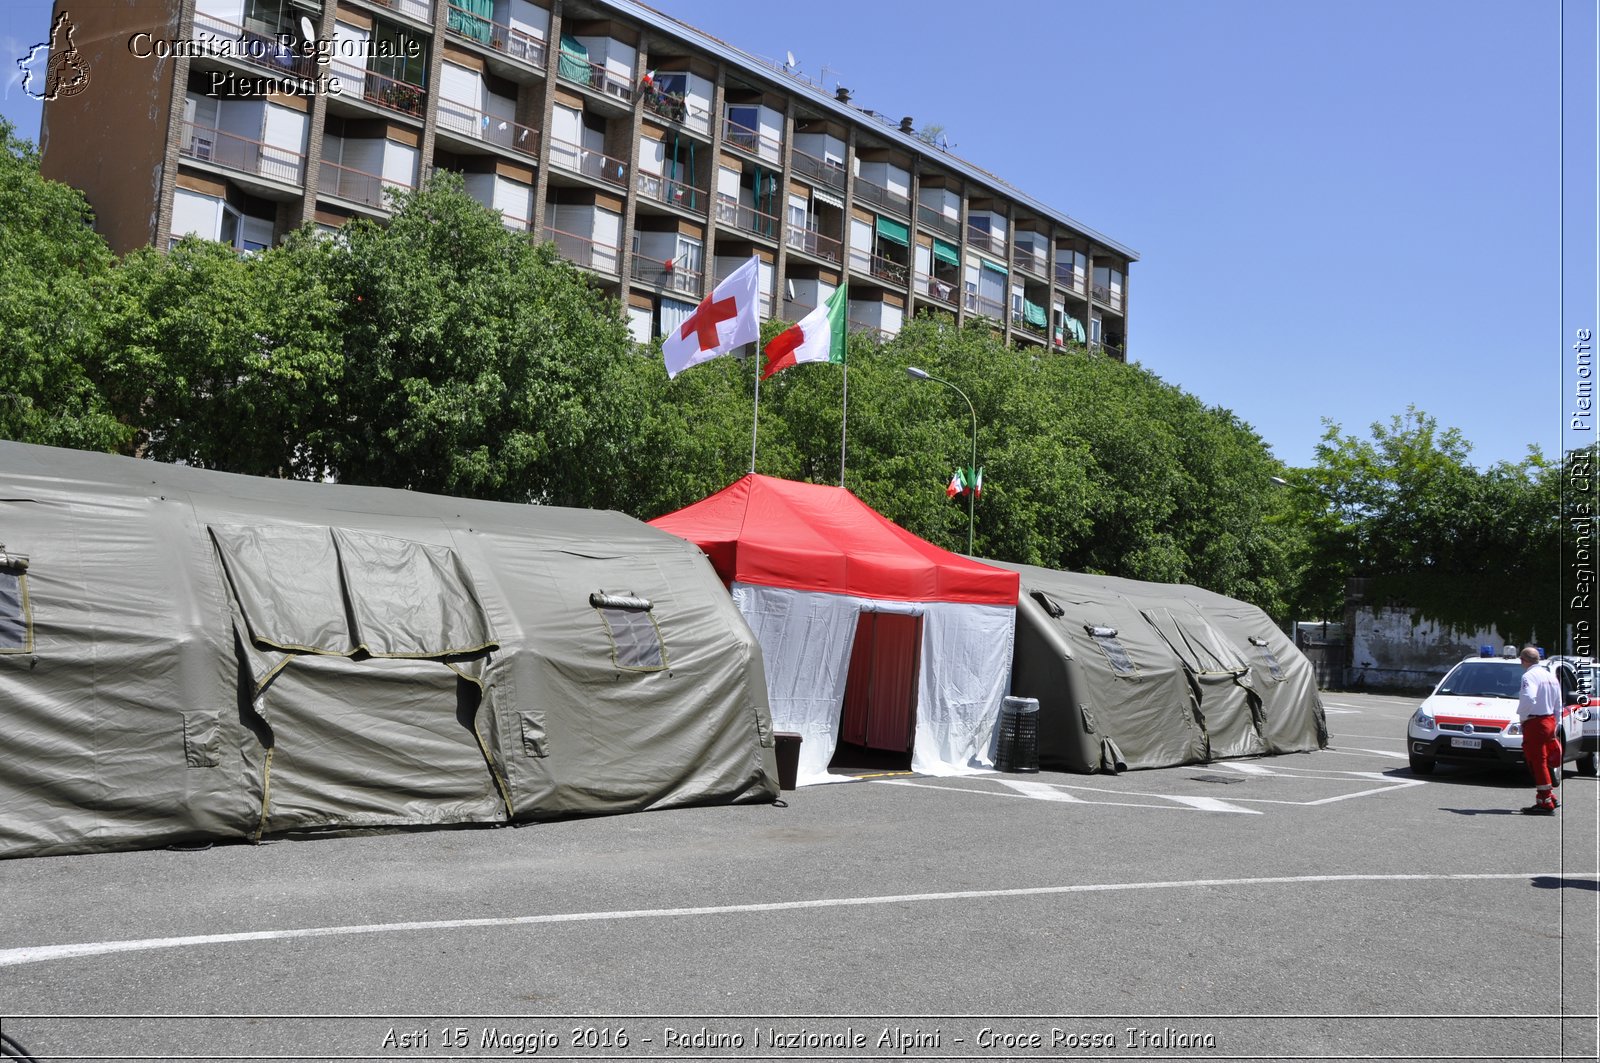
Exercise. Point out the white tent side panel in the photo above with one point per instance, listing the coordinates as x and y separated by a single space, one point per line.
806 638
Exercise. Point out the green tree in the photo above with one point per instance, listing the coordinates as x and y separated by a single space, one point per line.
55 279
473 362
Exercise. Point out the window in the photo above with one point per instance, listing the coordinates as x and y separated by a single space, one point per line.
1268 656
1106 637
16 620
635 639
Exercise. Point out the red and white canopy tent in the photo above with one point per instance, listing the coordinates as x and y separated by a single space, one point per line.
856 615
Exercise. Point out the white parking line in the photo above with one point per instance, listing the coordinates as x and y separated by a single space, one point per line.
41 953
1368 753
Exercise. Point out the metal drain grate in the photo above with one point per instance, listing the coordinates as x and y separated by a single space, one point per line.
1224 779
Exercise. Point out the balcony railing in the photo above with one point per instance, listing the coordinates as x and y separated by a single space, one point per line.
212 145
866 328
937 221
794 310
672 191
594 76
814 243
1070 279
584 252
420 10
674 107
819 170
258 49
877 195
1020 321
1110 297
1033 261
939 291
355 185
732 213
471 121
399 96
750 140
984 240
979 304
589 163
668 276
504 39
885 269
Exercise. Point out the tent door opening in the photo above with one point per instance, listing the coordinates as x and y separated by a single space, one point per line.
880 698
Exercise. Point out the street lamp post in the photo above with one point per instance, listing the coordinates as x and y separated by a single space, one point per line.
918 374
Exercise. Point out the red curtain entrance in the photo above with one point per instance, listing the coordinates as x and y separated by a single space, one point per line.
880 695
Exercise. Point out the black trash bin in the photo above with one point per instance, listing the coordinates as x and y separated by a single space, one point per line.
787 747
1017 749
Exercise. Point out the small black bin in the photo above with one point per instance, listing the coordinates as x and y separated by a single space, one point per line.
1017 749
787 747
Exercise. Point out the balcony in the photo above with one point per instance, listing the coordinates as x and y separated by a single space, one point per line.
594 76
673 192
207 144
358 186
508 41
1020 322
593 164
1108 297
257 49
984 240
876 195
938 222
420 10
884 269
751 141
814 243
736 215
471 121
675 108
402 97
668 277
936 290
794 309
583 252
1035 262
1073 280
985 307
818 170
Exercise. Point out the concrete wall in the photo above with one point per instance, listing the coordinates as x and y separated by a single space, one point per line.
1390 649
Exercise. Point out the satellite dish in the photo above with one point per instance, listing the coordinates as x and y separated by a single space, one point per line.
791 63
308 32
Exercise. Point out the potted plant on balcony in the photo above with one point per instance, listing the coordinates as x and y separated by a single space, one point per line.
402 98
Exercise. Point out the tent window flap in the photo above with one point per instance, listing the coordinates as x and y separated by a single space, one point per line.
16 622
635 639
1111 646
1268 656
333 591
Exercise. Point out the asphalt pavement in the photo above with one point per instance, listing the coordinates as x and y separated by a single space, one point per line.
1328 905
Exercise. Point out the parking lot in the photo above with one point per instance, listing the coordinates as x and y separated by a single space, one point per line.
1325 905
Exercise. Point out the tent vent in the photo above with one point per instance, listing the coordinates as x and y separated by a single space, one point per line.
1268 656
12 562
16 623
1106 637
602 600
1050 605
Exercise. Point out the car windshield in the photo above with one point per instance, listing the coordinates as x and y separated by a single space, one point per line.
1482 679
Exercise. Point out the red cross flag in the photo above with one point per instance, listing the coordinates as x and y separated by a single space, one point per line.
727 319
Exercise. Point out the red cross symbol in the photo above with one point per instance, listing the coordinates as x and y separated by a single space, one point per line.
705 319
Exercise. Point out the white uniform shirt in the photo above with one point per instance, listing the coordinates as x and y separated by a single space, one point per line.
1540 693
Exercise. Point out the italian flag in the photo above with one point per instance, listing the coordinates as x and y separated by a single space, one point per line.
817 337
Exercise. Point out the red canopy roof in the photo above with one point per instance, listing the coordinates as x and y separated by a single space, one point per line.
778 533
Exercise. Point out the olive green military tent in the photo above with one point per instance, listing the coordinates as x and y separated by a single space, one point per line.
1131 674
189 655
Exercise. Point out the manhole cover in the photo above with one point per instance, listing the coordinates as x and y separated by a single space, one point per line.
1224 779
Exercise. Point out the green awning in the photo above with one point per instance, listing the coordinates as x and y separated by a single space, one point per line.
893 230
997 267
1034 314
946 253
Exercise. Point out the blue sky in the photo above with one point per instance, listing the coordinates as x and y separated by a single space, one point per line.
1340 209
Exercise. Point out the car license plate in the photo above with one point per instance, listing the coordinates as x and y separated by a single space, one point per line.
1467 743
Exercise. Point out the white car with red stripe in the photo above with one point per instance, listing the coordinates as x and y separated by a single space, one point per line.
1471 717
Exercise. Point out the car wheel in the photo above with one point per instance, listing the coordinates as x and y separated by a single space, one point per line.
1421 765
1588 764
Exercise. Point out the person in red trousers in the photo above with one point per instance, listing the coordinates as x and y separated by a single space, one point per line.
1539 706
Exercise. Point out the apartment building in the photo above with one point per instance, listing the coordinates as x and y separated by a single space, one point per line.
655 157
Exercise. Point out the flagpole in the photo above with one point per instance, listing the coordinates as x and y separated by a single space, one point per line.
844 421
755 421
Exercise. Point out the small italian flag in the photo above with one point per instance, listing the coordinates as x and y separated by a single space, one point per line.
817 337
957 484
964 480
